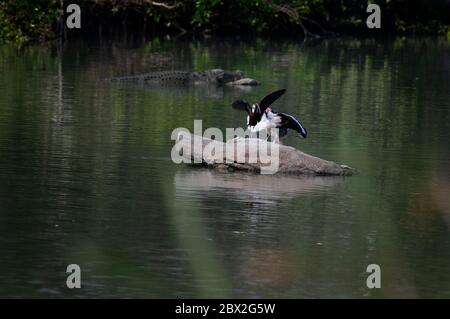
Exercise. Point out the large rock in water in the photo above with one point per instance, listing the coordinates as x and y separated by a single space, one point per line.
291 161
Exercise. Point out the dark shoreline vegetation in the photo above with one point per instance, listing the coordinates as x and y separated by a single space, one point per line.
37 20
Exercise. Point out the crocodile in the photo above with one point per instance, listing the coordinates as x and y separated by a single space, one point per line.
215 76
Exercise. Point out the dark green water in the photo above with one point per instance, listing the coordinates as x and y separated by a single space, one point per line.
86 175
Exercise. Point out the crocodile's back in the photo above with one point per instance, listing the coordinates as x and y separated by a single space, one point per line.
215 76
163 77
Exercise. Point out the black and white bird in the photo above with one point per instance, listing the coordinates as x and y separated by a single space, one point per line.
260 116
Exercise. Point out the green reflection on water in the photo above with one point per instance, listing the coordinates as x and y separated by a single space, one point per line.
86 175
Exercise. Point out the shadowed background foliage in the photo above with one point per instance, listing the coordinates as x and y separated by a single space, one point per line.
23 20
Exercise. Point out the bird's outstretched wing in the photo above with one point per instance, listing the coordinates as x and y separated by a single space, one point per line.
269 99
291 122
242 105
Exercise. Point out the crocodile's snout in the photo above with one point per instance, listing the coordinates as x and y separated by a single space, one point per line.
229 76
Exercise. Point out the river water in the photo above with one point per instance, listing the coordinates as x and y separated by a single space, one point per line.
86 176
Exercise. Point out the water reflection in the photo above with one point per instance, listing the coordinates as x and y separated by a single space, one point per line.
249 188
257 200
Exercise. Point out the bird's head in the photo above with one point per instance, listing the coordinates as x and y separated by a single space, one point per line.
256 111
254 116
